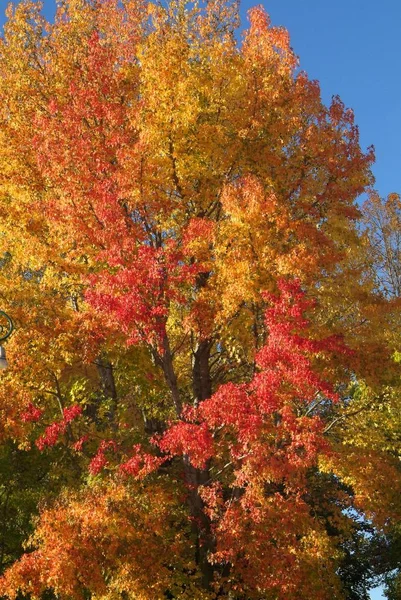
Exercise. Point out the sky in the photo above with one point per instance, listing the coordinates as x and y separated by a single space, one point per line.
352 47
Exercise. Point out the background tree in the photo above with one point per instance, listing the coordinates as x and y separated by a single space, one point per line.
382 220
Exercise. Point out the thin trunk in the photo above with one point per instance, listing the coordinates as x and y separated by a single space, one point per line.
202 382
166 362
201 526
108 385
4 528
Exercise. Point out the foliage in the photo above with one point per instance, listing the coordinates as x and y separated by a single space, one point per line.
203 362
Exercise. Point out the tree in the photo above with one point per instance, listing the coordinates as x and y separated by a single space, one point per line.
382 229
179 217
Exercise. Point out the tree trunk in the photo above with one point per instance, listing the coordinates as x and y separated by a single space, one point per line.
108 385
202 383
194 477
201 526
166 362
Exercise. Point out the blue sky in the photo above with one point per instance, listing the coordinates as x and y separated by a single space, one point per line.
353 48
376 594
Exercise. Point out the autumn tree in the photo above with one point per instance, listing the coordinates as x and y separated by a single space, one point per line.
382 228
181 250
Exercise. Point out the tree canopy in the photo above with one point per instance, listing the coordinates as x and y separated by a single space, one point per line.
203 393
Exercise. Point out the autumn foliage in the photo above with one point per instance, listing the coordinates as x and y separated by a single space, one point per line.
204 369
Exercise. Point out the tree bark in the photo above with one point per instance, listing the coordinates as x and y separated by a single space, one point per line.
194 477
202 383
168 368
201 526
108 385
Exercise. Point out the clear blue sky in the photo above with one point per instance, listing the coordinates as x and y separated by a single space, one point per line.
376 594
353 48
